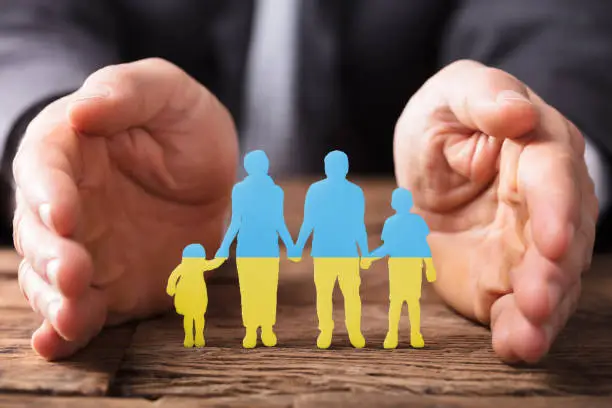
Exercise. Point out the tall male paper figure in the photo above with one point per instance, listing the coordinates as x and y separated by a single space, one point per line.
334 214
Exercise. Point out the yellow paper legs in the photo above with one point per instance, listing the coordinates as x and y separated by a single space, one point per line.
346 272
258 279
405 280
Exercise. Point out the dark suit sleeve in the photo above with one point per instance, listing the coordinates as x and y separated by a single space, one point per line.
47 49
562 49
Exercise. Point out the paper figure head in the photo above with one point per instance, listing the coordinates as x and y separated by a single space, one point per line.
194 251
336 164
401 200
256 162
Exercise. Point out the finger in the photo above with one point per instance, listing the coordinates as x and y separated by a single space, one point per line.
141 93
63 263
547 180
566 309
501 326
540 285
74 319
50 345
516 339
488 100
45 170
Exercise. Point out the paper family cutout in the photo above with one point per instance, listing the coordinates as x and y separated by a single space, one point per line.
334 215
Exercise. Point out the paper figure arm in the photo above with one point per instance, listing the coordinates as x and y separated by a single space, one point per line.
232 230
214 263
307 226
430 271
375 255
362 234
379 253
282 229
173 280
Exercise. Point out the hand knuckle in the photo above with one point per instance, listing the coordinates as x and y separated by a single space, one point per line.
464 63
119 76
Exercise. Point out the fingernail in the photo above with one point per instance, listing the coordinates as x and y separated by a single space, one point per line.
52 270
554 296
92 92
44 211
53 311
511 97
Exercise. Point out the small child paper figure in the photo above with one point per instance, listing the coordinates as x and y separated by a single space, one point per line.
404 239
187 285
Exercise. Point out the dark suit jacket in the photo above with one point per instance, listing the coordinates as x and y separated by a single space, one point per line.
359 60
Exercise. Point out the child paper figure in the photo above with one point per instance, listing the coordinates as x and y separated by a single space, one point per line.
404 239
187 285
334 214
257 221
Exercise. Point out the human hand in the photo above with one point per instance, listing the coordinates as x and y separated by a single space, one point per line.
111 182
501 180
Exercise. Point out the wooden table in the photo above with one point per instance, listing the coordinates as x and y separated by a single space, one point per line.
143 364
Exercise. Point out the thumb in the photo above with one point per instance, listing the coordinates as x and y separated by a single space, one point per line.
488 100
151 92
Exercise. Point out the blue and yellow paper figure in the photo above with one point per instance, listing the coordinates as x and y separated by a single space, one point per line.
187 285
334 214
404 239
257 221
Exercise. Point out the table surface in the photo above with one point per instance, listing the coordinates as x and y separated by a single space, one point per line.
143 364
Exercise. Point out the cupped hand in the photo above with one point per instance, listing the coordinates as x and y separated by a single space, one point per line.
500 178
111 182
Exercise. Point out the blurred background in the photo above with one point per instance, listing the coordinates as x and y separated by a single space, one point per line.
303 77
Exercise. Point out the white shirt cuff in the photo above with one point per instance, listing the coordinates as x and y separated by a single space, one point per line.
597 169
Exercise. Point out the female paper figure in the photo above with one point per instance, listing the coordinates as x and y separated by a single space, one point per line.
257 223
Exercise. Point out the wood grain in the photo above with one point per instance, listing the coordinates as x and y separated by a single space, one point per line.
458 359
9 262
10 294
380 400
328 400
31 401
89 372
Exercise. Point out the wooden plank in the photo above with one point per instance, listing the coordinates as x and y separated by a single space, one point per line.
306 401
21 400
9 262
458 359
10 294
351 400
89 372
